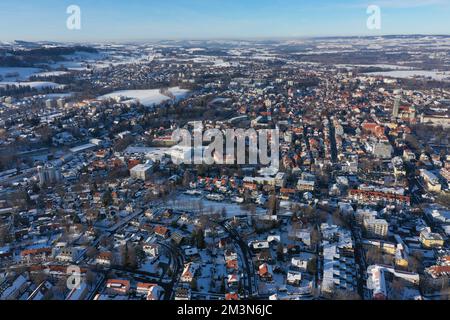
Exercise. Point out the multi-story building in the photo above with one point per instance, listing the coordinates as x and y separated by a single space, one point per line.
141 171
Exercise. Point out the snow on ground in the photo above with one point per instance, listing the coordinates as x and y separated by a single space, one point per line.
32 84
384 66
69 65
51 74
17 73
196 204
147 97
59 95
151 266
435 75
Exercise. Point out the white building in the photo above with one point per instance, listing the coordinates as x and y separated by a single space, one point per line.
141 171
49 174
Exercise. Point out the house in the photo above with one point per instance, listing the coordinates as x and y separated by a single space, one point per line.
264 256
104 258
151 249
151 291
260 245
301 262
155 293
189 272
233 281
265 272
230 255
232 296
232 266
118 286
294 278
305 185
183 293
161 231
39 254
69 254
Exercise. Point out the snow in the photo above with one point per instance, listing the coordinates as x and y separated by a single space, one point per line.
384 66
435 75
70 65
17 73
19 282
147 97
196 204
59 95
33 84
151 266
51 74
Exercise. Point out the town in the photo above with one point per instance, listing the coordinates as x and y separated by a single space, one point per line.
96 202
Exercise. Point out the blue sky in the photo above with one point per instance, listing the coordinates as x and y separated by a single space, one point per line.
134 20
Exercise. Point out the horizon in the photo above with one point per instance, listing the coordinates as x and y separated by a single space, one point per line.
138 21
255 39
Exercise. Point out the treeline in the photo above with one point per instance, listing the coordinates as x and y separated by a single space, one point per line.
28 58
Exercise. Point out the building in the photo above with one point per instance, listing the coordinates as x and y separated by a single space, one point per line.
265 272
377 282
430 239
376 227
183 294
104 258
396 108
280 179
141 171
69 254
189 272
294 278
431 181
305 185
49 174
383 150
118 286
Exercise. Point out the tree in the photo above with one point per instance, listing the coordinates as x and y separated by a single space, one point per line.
91 252
4 234
38 277
90 278
345 295
194 284
397 286
337 218
315 237
312 266
107 198
272 204
374 255
222 286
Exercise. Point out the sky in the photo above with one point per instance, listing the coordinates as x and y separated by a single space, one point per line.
141 20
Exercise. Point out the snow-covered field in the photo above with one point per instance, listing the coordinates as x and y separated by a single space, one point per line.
146 97
384 66
197 204
435 75
70 65
33 84
51 74
17 73
58 95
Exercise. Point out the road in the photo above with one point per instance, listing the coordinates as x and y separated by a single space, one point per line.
248 262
